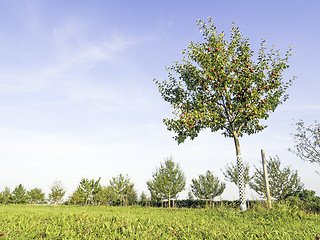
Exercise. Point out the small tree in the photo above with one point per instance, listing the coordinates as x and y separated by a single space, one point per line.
105 196
218 86
207 186
57 192
77 198
190 195
143 199
132 197
6 196
167 181
156 196
89 189
36 196
19 195
307 142
282 182
231 173
122 188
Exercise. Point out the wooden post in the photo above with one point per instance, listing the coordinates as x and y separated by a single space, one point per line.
266 181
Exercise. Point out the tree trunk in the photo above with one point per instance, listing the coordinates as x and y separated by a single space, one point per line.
169 199
241 185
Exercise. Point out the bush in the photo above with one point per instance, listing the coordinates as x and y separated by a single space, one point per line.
305 200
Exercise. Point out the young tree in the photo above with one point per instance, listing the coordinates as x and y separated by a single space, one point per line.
231 173
89 189
167 181
122 188
190 195
282 182
132 197
6 196
143 199
57 192
307 142
218 86
19 195
207 186
36 196
156 196
105 196
77 198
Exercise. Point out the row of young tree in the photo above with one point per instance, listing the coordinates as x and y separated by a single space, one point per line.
166 183
34 196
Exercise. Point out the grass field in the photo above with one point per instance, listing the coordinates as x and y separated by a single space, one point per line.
101 222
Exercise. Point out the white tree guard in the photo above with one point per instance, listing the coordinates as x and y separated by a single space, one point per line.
242 190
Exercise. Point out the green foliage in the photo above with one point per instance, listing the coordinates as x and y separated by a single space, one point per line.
143 200
74 222
207 186
190 196
76 198
104 196
88 189
307 142
36 196
231 173
57 192
219 86
19 195
305 199
123 190
132 197
6 196
282 182
167 181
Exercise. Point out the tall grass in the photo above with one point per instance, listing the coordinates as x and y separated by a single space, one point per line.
73 222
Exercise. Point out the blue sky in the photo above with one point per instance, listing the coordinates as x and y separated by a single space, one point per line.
77 98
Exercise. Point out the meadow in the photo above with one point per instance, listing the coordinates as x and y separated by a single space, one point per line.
133 222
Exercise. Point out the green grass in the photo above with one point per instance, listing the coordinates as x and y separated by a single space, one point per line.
73 222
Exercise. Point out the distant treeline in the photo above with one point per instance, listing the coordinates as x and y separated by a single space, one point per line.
165 185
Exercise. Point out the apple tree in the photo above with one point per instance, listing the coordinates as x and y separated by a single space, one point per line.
217 85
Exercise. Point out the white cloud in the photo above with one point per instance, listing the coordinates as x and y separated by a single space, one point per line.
74 55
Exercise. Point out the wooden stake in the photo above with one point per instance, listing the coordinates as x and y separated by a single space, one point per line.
266 181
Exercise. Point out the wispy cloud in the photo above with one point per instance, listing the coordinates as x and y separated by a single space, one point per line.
71 54
76 49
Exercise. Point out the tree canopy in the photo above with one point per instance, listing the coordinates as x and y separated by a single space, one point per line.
123 189
282 181
167 181
231 173
88 189
219 86
307 142
207 186
19 194
57 192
